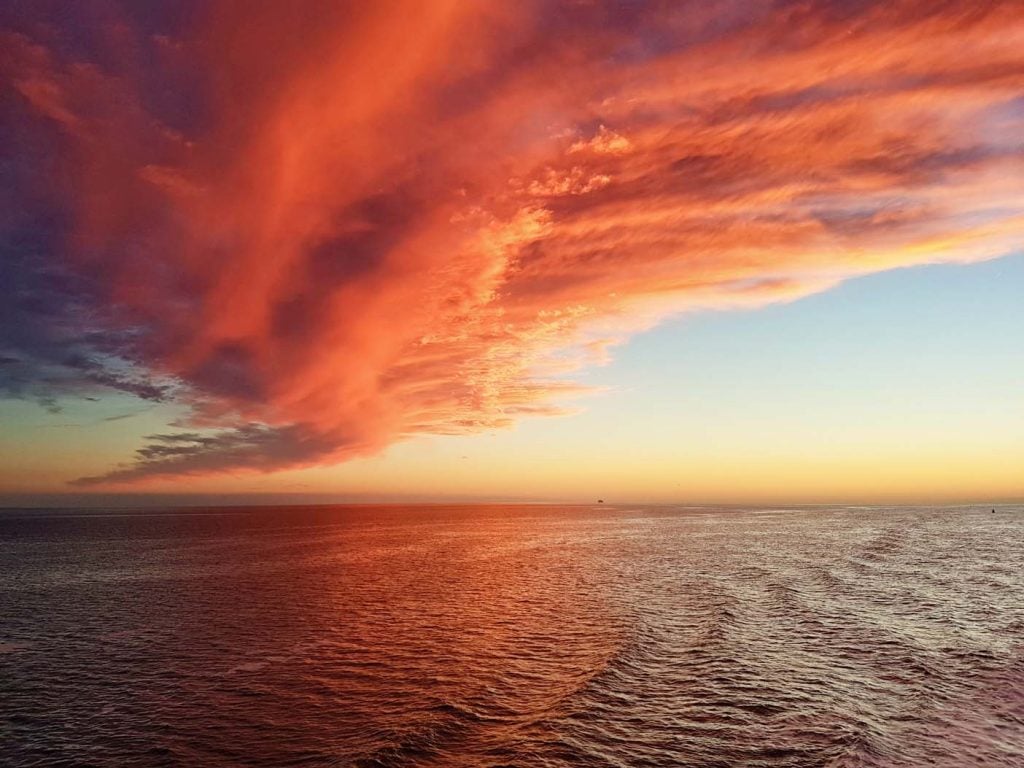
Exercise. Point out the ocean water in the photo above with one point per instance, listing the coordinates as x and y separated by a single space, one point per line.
513 636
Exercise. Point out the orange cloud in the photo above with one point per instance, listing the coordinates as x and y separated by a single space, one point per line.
397 218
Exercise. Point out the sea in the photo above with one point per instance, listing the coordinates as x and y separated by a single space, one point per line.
524 635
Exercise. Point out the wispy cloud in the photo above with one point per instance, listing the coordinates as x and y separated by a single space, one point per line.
253 446
326 231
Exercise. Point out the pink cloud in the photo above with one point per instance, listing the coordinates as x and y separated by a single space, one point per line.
391 222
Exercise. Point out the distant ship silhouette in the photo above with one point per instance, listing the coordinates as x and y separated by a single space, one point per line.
600 501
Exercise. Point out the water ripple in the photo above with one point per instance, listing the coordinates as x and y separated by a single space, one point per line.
513 636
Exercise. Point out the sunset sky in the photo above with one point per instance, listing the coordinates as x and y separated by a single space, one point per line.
669 251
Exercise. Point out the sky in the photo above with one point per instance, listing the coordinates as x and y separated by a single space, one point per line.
750 252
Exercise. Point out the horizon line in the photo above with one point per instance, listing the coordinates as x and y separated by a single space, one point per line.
43 501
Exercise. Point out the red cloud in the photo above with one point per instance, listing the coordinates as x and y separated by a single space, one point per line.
389 219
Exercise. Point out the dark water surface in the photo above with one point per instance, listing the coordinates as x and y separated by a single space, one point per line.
513 636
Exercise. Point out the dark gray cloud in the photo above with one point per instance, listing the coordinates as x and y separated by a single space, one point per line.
252 446
52 342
